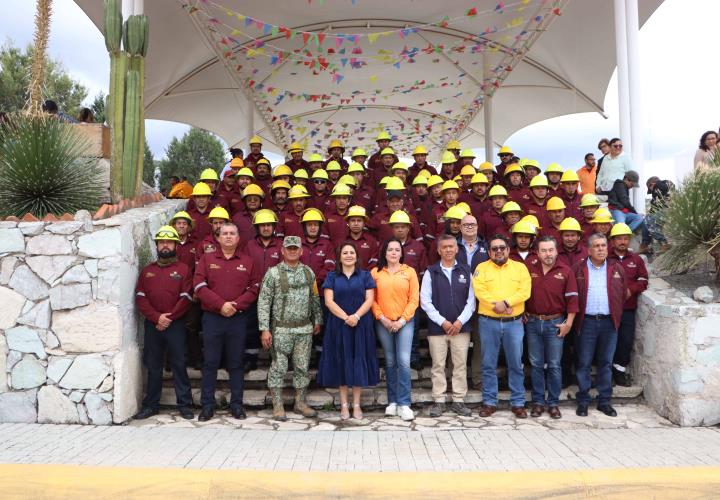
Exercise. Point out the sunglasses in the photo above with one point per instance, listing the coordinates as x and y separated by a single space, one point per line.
320 181
617 146
501 248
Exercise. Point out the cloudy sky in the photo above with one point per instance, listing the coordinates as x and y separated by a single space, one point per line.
679 82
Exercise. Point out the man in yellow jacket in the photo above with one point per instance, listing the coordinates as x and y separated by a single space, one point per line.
501 286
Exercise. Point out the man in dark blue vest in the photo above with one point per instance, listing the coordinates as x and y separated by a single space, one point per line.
447 297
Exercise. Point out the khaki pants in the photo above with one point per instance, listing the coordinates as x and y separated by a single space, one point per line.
476 363
458 345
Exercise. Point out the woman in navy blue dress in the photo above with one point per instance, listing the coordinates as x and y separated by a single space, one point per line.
349 358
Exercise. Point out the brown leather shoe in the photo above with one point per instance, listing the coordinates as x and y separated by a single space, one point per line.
554 412
519 411
537 410
487 410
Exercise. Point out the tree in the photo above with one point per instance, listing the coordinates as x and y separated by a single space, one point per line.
15 66
196 151
98 108
148 166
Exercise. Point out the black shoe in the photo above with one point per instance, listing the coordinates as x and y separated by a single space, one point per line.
186 413
581 411
145 413
238 413
206 414
416 365
621 378
607 410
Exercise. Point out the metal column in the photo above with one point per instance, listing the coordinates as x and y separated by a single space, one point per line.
621 55
635 98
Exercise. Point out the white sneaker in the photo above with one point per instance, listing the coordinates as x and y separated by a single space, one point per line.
391 410
406 413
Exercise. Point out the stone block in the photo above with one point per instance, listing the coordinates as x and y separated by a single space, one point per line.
7 267
24 339
25 282
693 412
49 244
50 268
12 359
28 373
93 328
8 224
107 384
12 304
3 365
706 328
18 407
703 294
70 296
11 240
57 367
127 392
97 409
86 372
76 274
76 396
38 316
99 244
91 265
116 284
32 228
709 356
65 227
56 408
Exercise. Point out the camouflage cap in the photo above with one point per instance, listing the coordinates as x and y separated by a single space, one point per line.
291 241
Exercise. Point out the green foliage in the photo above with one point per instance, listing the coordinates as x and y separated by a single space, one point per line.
43 168
98 108
691 222
196 151
148 166
15 67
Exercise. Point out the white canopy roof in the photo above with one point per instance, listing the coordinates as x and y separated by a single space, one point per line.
322 69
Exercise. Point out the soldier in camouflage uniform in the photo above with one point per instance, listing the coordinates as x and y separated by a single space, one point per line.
289 314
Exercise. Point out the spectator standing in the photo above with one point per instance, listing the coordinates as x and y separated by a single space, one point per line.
614 167
706 150
587 174
660 190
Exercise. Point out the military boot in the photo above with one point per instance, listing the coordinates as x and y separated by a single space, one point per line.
302 407
278 408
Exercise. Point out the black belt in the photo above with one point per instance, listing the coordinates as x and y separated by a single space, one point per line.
598 317
503 320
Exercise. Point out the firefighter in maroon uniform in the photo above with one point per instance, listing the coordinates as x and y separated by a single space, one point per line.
554 173
447 166
532 169
320 192
359 156
335 153
602 222
301 178
506 156
477 197
334 171
387 160
278 201
163 297
227 282
217 217
376 166
588 204
524 234
555 209
492 219
315 162
420 156
262 174
243 178
451 197
252 197
423 204
364 194
366 244
511 214
335 224
201 196
378 224
539 190
296 162
514 182
227 190
569 183
572 248
488 169
255 153
636 280
290 224
210 178
466 174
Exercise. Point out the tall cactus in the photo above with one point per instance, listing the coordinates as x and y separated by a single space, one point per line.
113 28
136 40
132 130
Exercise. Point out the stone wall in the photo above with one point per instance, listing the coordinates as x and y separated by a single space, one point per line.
69 332
677 355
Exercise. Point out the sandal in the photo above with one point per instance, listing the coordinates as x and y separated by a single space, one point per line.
344 412
357 412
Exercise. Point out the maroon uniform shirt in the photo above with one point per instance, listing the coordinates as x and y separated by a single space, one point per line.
539 211
290 224
572 205
215 201
318 256
415 256
365 197
530 259
265 183
415 169
201 226
164 289
232 198
298 164
492 221
264 256
342 161
570 258
336 227
554 292
219 279
186 252
636 276
252 158
551 230
208 244
367 249
243 220
519 194
379 226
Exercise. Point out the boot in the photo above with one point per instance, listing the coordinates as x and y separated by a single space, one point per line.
278 408
300 406
645 249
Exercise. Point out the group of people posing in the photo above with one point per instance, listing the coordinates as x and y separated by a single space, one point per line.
329 256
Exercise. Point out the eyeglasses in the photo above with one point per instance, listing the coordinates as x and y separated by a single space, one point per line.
469 226
617 146
501 248
320 181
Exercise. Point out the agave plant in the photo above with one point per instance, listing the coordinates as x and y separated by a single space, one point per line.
691 222
43 168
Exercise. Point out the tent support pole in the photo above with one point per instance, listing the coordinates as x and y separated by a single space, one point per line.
487 118
635 98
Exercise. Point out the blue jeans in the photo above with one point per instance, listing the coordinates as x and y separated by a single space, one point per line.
596 340
397 361
634 221
509 334
544 346
654 225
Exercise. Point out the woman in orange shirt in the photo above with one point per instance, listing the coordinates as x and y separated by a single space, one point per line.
396 299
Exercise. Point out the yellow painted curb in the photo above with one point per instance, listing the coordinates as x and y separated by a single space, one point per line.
85 483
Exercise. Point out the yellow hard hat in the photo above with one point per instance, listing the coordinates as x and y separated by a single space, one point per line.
467 153
505 150
335 143
298 192
513 168
434 180
182 215
281 170
166 233
341 189
450 185
420 180
356 211
355 167
457 178
201 189
320 174
448 157
262 161
399 217
315 158
523 161
523 227
209 175
464 206
394 184
255 140
218 213
387 151
333 166
383 136
383 182
280 184
453 145
245 171
589 200
620 229
301 173
570 224
424 173
419 150
602 216
532 220
467 170
348 180
510 206
569 176
486 166
479 178
358 152
539 181
454 213
532 164
555 203
554 167
265 216
237 163
253 190
497 190
312 215
295 146
399 166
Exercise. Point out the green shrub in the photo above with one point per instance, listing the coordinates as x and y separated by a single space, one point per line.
43 169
